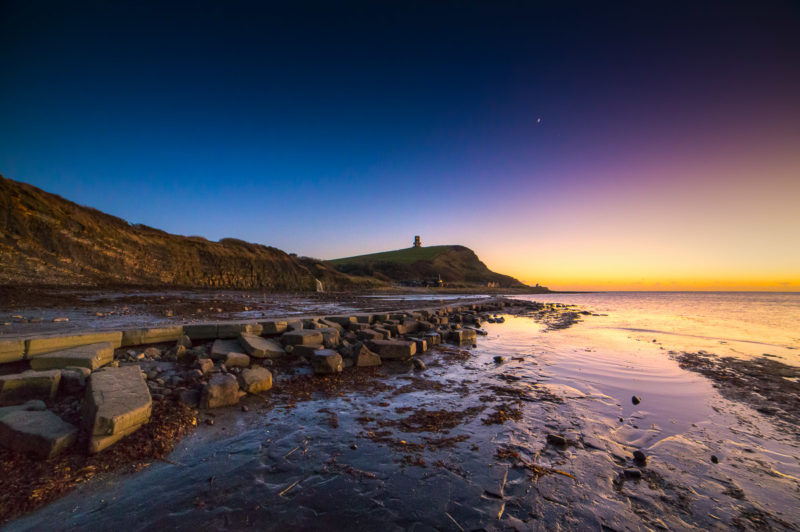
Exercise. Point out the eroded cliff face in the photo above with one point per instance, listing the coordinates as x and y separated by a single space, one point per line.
45 239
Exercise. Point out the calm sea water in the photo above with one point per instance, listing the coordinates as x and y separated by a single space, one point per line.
743 324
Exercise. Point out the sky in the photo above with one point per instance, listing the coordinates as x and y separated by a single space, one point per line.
583 146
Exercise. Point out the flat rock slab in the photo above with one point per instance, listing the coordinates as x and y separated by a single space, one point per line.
20 387
302 337
202 331
221 348
92 356
259 347
117 403
47 344
41 433
394 349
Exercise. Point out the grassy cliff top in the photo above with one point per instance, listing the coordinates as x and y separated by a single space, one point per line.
400 256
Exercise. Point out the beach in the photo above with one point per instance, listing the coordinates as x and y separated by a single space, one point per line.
542 437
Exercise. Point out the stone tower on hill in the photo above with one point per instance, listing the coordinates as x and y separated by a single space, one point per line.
417 242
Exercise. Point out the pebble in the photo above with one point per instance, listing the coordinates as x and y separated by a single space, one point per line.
714 459
245 408
636 399
418 364
639 457
499 359
209 421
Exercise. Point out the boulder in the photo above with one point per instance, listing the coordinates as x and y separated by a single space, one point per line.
46 344
302 337
151 336
237 360
363 357
255 380
20 387
222 390
326 361
393 349
117 403
260 347
41 433
204 364
11 350
92 356
273 327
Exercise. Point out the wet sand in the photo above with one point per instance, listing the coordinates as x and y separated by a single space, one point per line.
543 438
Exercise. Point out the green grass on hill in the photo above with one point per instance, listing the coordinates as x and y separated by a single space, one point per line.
400 256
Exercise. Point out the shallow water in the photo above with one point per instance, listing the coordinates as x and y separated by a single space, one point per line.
293 468
740 324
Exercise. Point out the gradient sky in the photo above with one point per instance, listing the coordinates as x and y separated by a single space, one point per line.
667 155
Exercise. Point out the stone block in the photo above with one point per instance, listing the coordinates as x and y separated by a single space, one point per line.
306 350
20 387
344 321
330 337
233 330
421 344
273 327
255 380
202 331
294 325
41 433
47 344
260 347
117 403
326 361
151 336
11 350
302 337
387 334
92 356
393 349
222 390
324 322
433 338
369 334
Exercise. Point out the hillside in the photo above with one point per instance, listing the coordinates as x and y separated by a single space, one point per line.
45 239
455 265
